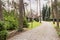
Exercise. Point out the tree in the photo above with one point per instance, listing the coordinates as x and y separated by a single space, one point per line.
26 4
20 15
24 9
43 12
56 11
31 14
1 15
14 4
37 7
8 7
46 13
52 12
40 10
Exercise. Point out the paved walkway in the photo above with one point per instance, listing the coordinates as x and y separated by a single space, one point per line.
44 32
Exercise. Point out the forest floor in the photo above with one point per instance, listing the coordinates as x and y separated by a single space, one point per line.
45 31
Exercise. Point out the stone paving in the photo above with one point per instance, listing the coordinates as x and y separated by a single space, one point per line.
44 32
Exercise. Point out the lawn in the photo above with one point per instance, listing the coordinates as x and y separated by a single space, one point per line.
33 24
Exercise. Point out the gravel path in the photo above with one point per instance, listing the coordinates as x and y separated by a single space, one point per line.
44 32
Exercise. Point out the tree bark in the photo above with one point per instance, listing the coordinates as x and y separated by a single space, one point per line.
52 12
40 10
37 9
24 9
20 15
1 15
56 11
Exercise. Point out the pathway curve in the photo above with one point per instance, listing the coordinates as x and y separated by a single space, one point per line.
44 32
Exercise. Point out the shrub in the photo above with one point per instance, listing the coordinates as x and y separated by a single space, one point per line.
2 26
25 23
3 35
58 33
36 19
58 30
11 22
30 20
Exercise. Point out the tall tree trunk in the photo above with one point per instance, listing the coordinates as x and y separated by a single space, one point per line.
8 8
20 15
30 8
23 9
14 5
26 9
40 10
1 15
37 7
31 15
15 8
52 12
56 11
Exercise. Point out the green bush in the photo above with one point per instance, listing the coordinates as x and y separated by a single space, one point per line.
11 22
36 19
58 30
58 33
3 35
2 26
25 23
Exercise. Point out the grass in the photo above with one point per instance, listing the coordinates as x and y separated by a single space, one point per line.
33 24
57 29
